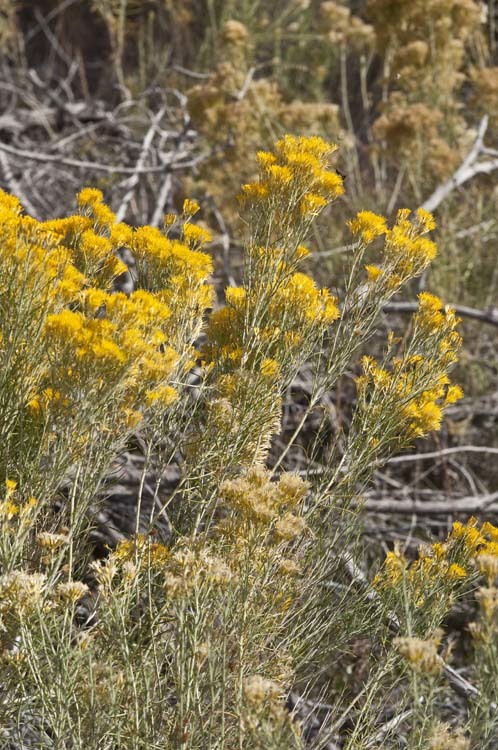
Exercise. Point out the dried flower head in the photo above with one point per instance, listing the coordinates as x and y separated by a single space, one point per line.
71 591
258 690
444 738
421 654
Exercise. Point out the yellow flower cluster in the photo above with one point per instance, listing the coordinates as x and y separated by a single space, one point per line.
443 565
419 413
367 226
470 535
275 320
432 570
33 262
15 514
481 542
420 410
296 175
439 322
149 553
92 238
280 309
177 271
169 258
127 346
406 252
406 248
95 340
296 312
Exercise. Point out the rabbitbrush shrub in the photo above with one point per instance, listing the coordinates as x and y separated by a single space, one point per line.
197 642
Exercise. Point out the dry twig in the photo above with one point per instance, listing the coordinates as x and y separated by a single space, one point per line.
132 182
485 316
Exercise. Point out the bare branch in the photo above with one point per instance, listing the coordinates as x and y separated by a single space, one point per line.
93 165
14 186
465 505
132 182
246 85
467 169
161 200
485 316
442 452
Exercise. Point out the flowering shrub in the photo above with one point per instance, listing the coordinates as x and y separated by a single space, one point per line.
195 640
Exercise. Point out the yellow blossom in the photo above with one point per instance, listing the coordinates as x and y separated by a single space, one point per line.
393 570
133 417
164 395
235 295
66 324
430 311
368 226
269 368
468 533
490 530
265 159
330 183
190 207
8 510
453 394
195 236
311 204
302 252
426 220
89 197
373 272
423 250
254 191
107 350
121 235
10 203
103 217
279 175
455 572
10 487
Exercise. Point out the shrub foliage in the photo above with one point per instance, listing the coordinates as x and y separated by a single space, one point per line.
196 638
